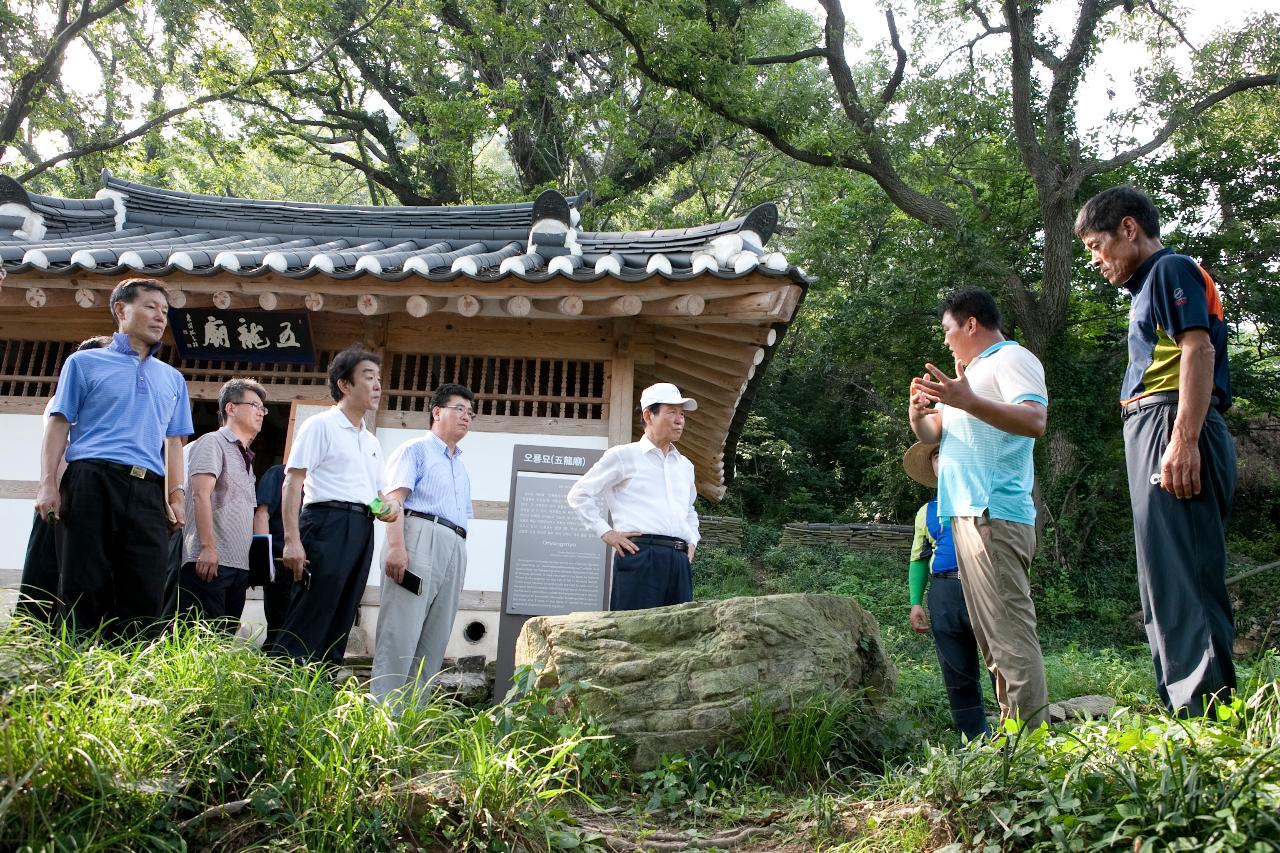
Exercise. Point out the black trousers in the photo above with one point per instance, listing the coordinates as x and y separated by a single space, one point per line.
38 590
957 649
275 603
339 546
1182 559
654 576
220 600
111 546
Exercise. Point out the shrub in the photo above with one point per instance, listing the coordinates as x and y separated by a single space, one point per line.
1134 781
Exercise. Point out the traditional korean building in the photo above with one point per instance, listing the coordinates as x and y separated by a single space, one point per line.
556 329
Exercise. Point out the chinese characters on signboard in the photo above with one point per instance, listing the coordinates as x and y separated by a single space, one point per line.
270 337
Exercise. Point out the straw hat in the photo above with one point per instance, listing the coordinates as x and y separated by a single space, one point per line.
917 465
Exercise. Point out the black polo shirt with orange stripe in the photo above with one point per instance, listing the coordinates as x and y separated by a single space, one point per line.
1172 294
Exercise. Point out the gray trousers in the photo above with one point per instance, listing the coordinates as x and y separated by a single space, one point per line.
413 630
1182 559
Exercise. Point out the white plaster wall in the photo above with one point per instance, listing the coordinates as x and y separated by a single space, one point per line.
20 461
21 457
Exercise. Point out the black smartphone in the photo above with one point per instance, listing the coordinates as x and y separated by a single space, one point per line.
412 582
306 579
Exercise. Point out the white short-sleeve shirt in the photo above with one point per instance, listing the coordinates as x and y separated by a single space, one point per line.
343 462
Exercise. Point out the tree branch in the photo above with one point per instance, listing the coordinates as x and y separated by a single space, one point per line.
28 84
1159 13
167 115
891 88
1177 120
784 59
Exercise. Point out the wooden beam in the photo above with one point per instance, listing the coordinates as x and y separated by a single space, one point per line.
701 389
761 336
226 300
467 305
41 297
743 354
371 304
730 367
517 306
314 301
752 306
570 306
621 396
177 298
621 306
421 306
272 301
86 297
747 303
686 305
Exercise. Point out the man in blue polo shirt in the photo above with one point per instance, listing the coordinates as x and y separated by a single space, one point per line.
987 419
430 544
1180 457
119 407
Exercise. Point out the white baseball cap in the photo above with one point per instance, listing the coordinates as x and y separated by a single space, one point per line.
665 392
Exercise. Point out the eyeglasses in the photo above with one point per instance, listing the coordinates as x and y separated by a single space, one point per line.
463 411
259 406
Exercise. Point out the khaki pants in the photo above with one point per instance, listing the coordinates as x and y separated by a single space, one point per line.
994 556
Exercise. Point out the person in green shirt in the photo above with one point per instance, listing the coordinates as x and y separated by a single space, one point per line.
933 557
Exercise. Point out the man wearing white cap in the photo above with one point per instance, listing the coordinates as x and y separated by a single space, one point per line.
647 487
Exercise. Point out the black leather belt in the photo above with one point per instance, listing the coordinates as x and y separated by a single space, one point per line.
427 516
1150 401
654 539
952 573
349 506
132 470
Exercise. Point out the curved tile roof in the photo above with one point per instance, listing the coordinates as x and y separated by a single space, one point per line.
133 228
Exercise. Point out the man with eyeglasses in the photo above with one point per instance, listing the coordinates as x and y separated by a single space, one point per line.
425 560
215 549
648 488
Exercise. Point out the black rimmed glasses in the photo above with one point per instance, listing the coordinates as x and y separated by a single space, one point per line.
463 411
259 406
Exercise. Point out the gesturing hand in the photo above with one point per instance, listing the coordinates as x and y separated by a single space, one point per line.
943 389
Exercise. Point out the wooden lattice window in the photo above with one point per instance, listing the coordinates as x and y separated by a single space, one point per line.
30 368
504 385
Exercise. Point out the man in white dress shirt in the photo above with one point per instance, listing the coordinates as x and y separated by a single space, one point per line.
648 488
328 545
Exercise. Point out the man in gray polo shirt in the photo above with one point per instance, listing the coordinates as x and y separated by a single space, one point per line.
222 499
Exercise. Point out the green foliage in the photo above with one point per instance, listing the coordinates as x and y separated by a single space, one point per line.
129 747
694 782
1132 781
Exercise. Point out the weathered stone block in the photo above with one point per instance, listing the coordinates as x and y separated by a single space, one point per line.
676 677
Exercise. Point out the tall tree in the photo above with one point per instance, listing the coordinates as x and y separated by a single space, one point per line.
797 88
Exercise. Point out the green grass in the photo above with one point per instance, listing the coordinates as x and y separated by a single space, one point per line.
136 746
108 747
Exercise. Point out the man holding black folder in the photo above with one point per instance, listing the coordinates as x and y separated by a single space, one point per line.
215 550
426 553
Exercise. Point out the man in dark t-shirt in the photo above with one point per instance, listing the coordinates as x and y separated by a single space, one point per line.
1180 458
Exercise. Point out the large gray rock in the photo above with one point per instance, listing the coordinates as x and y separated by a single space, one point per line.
676 676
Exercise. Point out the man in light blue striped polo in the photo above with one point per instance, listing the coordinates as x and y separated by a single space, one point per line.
425 559
125 413
987 419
